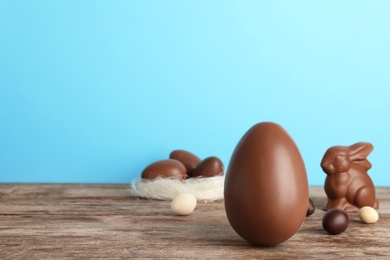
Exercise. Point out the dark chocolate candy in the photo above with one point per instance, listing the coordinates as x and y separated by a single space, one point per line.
209 167
311 208
266 188
347 184
189 160
335 221
165 169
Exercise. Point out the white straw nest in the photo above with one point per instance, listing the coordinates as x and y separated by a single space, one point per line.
204 189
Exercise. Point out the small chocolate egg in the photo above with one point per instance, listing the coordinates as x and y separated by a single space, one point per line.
335 221
183 204
266 189
189 160
209 167
164 169
311 208
368 215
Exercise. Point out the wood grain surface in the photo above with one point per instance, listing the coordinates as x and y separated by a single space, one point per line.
104 221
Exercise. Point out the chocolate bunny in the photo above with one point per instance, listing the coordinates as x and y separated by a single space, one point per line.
347 184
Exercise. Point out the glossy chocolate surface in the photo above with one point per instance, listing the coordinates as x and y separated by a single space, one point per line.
189 159
266 188
209 167
347 185
335 221
164 169
311 208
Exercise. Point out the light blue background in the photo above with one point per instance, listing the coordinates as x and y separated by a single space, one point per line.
94 91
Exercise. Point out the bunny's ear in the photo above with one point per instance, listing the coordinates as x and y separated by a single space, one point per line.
360 151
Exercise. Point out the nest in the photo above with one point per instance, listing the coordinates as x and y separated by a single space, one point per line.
204 189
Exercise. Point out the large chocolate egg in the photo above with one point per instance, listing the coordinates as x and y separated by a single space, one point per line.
266 189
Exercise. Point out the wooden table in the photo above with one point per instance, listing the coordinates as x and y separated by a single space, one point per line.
104 221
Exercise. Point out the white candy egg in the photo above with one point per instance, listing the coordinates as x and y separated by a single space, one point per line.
183 204
368 215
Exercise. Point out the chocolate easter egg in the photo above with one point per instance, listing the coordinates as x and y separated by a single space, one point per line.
266 188
164 169
189 160
209 167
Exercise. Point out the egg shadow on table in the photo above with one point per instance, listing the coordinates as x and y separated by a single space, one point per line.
356 222
312 231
